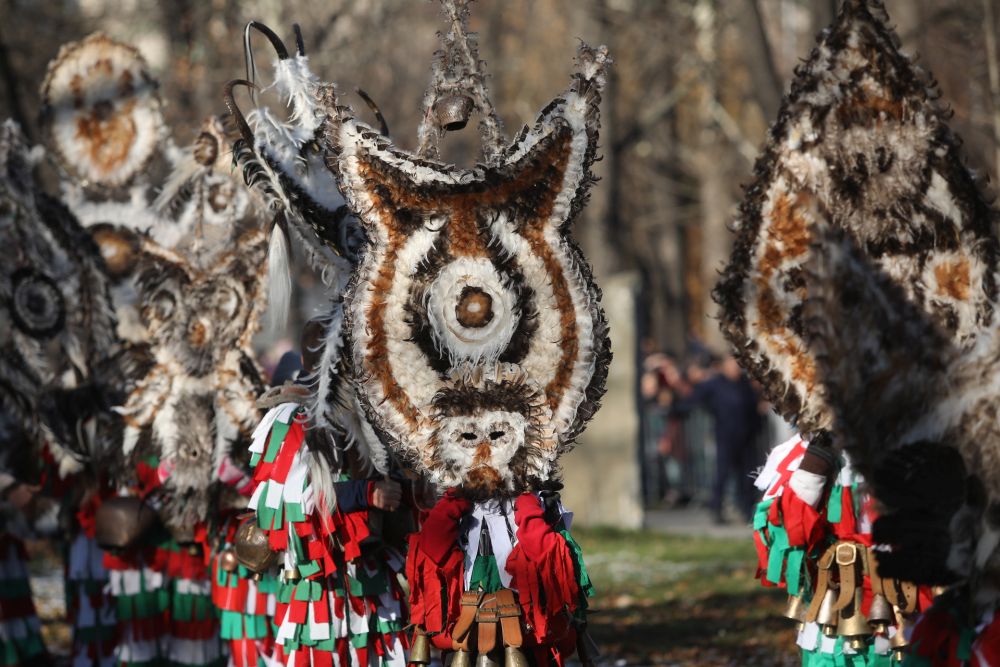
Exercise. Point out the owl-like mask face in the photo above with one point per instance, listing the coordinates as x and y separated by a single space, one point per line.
473 313
196 317
477 448
101 110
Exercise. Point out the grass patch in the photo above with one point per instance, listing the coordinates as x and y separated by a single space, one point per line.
672 600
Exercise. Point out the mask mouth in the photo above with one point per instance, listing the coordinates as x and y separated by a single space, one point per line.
482 482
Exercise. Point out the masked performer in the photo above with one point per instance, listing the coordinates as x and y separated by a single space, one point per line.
480 350
326 499
189 266
57 337
862 204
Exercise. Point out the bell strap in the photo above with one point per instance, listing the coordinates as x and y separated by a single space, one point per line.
822 583
460 634
902 594
487 617
510 618
847 566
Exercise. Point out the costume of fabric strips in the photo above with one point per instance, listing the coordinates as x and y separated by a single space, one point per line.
246 603
20 630
339 601
90 609
467 555
186 257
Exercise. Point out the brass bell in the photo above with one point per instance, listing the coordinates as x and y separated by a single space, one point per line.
292 574
796 609
461 658
252 549
898 642
227 561
487 660
880 615
827 618
453 111
512 657
122 521
420 652
852 624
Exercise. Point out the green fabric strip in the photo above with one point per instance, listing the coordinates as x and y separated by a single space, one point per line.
278 433
485 575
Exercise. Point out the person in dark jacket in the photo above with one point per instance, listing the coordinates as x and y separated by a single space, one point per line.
730 398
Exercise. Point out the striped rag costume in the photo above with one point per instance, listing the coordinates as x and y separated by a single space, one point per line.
339 601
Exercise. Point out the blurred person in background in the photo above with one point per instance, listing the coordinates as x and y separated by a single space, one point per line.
735 407
661 382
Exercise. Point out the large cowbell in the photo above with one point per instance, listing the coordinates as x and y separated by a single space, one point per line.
474 324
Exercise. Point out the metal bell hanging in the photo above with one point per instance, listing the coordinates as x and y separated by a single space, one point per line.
461 659
252 548
898 642
852 624
796 609
486 660
827 617
420 652
453 111
227 561
880 615
513 657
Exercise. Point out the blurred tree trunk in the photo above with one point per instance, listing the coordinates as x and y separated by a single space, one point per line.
990 42
823 13
713 240
767 83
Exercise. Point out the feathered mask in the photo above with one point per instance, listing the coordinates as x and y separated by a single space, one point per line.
862 292
476 335
861 144
56 320
189 262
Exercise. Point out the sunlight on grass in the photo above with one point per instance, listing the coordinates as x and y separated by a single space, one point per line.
655 567
672 600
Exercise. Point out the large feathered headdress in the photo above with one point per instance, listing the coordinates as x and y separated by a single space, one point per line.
861 143
473 326
188 253
863 291
475 330
57 325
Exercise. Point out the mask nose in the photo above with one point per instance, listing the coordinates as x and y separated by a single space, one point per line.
198 332
483 452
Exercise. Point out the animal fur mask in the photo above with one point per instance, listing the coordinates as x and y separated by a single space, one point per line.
201 301
279 161
475 331
859 143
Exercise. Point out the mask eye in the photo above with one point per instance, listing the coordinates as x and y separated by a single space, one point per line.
468 436
496 435
227 303
163 305
37 306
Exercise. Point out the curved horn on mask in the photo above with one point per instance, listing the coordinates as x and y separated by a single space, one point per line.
383 126
234 110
